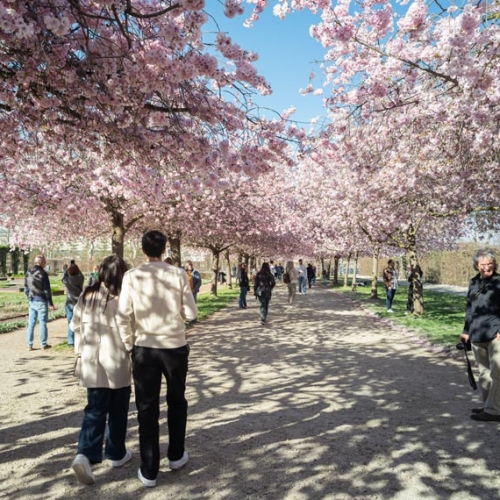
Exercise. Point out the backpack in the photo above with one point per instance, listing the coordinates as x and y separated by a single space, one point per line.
286 278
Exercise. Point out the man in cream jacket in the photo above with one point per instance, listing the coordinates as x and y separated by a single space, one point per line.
154 304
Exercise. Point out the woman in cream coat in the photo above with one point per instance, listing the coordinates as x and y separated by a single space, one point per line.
105 371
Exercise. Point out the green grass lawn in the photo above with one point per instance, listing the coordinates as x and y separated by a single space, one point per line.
14 303
442 321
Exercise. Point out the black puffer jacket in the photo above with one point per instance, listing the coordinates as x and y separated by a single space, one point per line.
37 285
482 315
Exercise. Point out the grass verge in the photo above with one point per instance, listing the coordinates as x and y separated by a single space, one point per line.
442 321
16 303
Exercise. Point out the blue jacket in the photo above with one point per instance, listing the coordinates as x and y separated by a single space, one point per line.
196 277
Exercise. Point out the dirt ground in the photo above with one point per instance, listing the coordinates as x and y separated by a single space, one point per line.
325 402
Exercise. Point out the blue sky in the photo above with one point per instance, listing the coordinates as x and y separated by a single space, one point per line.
287 55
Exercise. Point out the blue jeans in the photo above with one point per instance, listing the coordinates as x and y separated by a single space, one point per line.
243 296
37 310
264 306
302 284
101 403
389 292
69 314
148 366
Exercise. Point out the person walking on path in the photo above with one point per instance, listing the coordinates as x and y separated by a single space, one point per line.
155 301
302 278
105 372
244 286
73 280
291 282
37 289
263 290
194 278
311 275
482 330
390 277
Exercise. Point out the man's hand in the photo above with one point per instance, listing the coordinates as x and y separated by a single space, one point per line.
52 308
465 338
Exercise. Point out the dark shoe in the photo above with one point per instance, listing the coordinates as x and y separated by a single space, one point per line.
46 346
485 417
477 410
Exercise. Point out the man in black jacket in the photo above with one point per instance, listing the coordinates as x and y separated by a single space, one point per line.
482 328
37 289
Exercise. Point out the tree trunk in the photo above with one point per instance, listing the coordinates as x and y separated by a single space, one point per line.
90 253
355 272
418 294
374 290
215 271
336 261
174 242
229 272
346 276
116 222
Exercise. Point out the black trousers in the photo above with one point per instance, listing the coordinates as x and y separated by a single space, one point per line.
148 366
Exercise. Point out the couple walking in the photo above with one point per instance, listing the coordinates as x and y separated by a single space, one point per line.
133 323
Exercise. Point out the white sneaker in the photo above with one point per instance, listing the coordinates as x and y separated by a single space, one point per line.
123 461
390 311
178 464
149 483
83 471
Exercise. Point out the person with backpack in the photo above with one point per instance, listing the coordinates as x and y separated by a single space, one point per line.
263 289
291 278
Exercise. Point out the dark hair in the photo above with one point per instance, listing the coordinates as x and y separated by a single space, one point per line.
265 268
73 270
154 243
111 273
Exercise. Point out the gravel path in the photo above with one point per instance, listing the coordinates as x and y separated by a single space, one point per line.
325 402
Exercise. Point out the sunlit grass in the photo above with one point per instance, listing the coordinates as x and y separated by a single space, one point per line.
208 304
16 303
442 321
